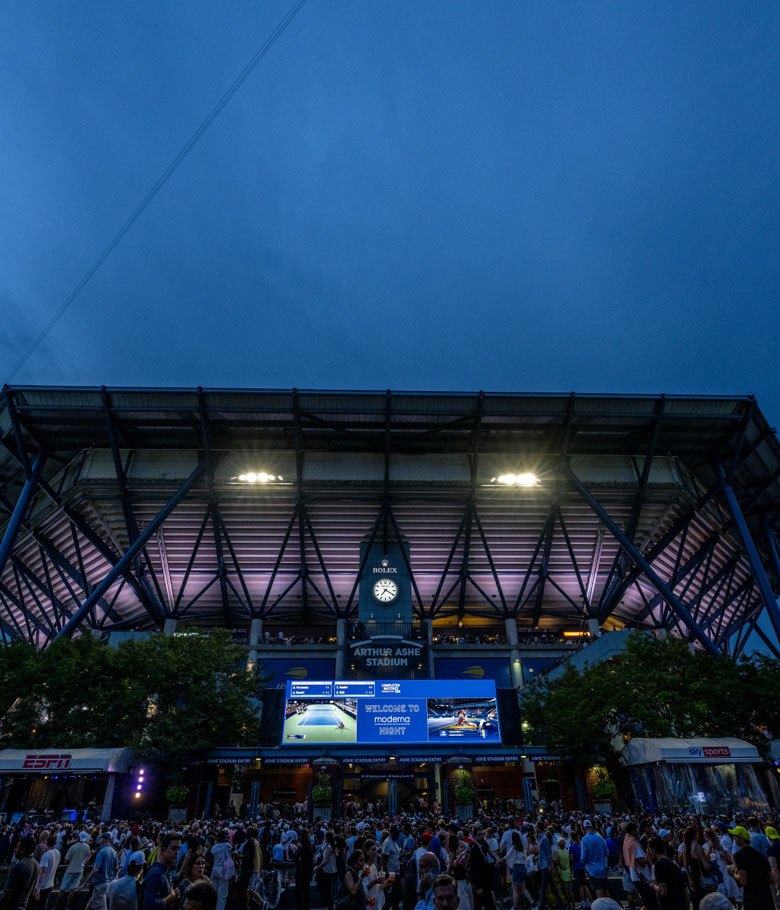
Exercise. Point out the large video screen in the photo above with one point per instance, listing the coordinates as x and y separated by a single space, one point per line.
391 711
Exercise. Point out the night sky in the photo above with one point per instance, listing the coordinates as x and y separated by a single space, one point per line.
413 194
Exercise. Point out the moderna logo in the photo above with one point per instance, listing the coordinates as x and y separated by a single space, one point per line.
58 761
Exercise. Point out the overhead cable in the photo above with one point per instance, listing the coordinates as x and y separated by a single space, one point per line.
160 183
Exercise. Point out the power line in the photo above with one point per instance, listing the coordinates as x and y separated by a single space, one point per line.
161 181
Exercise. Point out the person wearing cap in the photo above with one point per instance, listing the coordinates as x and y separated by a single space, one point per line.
758 840
773 855
752 872
103 872
594 858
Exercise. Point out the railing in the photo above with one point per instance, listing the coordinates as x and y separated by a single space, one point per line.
359 630
457 638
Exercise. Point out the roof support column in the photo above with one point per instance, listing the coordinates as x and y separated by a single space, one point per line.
515 664
431 661
255 632
20 509
341 647
757 567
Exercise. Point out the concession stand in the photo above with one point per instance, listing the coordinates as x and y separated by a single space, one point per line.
61 783
694 775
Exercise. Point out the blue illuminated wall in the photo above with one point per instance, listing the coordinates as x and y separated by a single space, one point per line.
280 670
495 668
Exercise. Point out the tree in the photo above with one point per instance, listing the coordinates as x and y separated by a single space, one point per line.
656 688
166 697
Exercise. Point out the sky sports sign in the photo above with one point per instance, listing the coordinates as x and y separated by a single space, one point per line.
391 712
709 751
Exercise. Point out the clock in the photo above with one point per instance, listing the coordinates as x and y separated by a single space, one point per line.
385 590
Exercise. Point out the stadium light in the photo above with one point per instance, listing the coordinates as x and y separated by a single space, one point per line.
524 479
259 477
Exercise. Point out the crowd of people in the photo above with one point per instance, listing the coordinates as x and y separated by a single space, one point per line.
415 861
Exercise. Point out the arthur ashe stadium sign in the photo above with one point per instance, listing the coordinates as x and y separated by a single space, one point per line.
383 654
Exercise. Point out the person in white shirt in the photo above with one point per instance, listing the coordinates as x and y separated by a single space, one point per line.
48 869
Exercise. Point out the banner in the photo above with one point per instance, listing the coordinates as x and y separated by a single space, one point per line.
495 668
277 671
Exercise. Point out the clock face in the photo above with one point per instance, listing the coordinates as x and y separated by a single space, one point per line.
385 590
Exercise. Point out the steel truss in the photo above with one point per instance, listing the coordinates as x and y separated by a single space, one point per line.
703 574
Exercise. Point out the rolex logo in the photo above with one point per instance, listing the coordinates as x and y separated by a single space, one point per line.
385 569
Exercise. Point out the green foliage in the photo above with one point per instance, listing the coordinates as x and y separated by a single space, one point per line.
657 687
322 792
604 788
166 696
177 794
465 790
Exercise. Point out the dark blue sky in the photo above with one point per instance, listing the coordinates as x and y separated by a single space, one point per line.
408 194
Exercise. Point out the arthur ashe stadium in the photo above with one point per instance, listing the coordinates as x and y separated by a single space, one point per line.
389 536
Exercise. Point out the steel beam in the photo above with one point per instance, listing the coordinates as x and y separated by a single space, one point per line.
405 557
278 562
141 590
30 579
751 551
127 558
585 606
660 585
491 563
681 572
131 525
20 509
618 567
191 562
363 562
544 568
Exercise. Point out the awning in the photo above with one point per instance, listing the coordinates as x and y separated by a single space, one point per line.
75 761
641 751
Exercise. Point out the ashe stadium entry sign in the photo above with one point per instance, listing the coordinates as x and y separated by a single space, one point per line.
394 712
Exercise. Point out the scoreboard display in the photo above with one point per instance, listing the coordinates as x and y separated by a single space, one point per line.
392 712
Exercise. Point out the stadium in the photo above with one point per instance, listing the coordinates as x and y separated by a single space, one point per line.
400 535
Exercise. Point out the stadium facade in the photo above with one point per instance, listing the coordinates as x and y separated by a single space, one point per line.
389 535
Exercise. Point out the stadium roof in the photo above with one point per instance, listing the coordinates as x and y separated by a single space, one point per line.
127 507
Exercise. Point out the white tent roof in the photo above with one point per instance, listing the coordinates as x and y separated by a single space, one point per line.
75 761
641 751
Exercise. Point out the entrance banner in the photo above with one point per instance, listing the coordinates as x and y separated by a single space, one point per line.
287 760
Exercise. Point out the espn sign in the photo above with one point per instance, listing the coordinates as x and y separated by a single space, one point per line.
57 761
